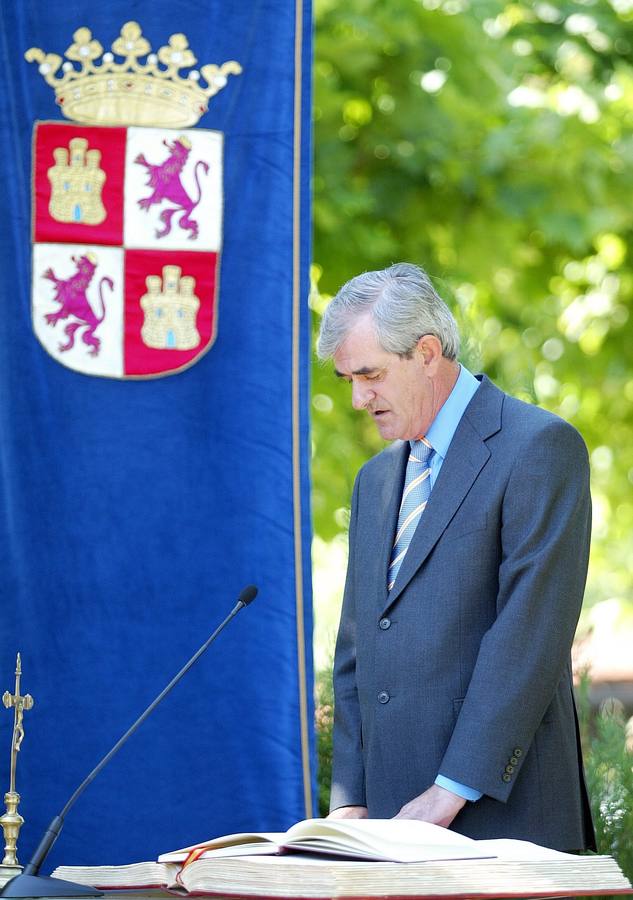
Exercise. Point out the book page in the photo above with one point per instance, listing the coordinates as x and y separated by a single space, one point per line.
506 848
228 840
374 831
400 840
388 839
144 874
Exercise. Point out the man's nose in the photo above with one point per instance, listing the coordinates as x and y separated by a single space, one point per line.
361 395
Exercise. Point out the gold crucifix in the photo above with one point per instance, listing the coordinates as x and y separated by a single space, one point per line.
12 821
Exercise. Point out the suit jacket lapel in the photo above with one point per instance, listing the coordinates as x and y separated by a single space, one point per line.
466 457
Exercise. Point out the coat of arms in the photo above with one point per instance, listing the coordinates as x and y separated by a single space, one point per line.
127 207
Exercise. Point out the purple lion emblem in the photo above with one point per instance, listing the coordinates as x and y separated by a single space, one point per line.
165 180
71 293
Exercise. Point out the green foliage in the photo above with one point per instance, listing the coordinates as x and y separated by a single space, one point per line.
608 751
610 784
491 142
324 718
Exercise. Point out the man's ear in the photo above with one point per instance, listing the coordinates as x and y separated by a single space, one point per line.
430 349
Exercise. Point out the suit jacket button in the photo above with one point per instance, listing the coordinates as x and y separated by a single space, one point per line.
385 624
506 777
509 769
383 697
517 751
513 760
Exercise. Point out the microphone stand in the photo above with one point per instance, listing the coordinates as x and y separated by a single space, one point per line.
30 883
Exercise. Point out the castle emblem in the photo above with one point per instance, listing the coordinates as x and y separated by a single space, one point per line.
170 308
76 184
125 190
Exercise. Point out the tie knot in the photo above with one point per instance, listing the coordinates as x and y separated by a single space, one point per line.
420 450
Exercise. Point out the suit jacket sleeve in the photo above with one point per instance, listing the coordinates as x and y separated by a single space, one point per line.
348 774
544 539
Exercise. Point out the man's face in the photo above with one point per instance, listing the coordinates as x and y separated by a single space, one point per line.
397 393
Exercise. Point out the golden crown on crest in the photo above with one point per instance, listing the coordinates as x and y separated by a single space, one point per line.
105 92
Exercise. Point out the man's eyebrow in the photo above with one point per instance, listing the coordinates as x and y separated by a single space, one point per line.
365 370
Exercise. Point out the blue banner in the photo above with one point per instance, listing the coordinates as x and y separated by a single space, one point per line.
154 347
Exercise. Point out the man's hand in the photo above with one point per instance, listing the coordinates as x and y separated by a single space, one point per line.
435 805
349 812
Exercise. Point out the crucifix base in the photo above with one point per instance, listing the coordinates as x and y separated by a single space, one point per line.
11 823
7 873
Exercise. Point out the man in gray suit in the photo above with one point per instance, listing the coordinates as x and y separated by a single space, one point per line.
468 550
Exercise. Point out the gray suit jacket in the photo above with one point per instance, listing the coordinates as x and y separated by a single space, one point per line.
464 668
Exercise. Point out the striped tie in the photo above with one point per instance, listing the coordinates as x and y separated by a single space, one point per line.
417 487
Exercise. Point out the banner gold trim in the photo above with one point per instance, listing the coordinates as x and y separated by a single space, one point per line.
296 434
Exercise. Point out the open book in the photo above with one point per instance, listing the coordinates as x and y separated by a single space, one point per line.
440 864
385 840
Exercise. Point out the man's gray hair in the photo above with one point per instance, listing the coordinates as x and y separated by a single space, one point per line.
403 305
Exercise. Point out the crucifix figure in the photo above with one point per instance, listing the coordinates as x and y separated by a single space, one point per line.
20 703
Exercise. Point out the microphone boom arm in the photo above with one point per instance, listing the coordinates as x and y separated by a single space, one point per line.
31 870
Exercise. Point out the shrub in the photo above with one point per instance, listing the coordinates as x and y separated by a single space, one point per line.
324 715
609 769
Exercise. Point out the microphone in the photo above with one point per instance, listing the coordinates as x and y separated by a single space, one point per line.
30 883
247 595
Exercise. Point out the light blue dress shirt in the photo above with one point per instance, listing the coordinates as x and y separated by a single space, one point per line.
440 435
